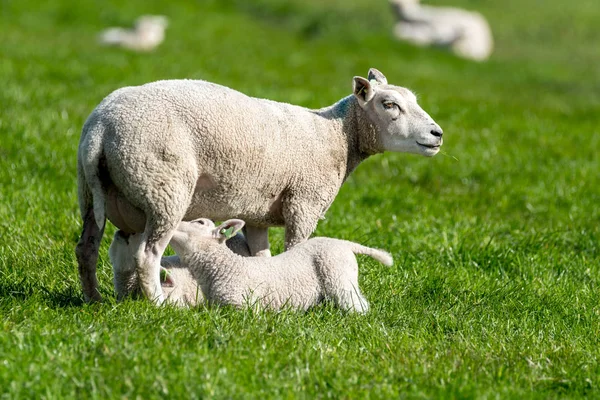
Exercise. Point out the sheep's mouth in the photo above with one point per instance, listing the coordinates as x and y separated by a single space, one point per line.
430 146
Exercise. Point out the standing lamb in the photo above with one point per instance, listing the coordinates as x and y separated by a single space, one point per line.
466 33
153 155
310 272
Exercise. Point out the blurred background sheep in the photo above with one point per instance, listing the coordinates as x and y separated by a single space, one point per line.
466 33
147 33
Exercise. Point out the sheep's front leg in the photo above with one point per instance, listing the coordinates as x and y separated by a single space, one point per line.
258 241
300 223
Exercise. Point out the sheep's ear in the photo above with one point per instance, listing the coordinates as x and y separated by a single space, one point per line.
228 229
166 279
375 74
363 90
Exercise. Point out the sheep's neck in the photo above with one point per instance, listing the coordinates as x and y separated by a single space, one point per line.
351 123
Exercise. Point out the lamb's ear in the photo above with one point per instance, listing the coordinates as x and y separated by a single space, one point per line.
228 229
375 74
363 90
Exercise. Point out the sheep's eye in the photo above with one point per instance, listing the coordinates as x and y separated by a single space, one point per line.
388 105
201 222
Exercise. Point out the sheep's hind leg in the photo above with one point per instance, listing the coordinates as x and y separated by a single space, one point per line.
258 241
164 214
147 258
87 256
122 258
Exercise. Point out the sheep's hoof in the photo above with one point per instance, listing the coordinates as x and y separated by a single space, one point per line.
96 297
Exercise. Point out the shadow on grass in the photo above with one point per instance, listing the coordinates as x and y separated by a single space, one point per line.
26 290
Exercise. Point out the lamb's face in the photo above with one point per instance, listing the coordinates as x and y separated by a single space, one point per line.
401 123
189 234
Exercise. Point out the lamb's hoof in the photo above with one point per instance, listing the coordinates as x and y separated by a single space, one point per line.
263 253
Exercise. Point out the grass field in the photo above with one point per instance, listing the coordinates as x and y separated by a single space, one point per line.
494 293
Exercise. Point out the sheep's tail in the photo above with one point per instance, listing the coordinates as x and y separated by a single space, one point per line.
91 194
380 255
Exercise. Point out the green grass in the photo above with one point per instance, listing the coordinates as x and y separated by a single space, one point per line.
494 292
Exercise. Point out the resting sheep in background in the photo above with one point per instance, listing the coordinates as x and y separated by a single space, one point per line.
310 272
466 33
148 33
153 155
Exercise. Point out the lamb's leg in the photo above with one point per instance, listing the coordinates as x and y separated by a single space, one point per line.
346 292
87 256
339 271
258 241
349 298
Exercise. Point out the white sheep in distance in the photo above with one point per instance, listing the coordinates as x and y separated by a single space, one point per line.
310 272
153 155
466 33
148 33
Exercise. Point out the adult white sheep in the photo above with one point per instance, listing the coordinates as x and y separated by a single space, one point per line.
153 155
312 271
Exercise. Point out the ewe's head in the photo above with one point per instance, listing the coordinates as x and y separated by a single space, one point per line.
402 125
189 235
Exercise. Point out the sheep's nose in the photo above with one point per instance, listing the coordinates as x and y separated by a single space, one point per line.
437 132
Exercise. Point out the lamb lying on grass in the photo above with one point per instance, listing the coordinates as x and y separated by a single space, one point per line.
148 33
179 285
466 33
310 272
153 155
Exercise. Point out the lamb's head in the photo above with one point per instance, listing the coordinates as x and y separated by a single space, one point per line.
191 235
401 124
